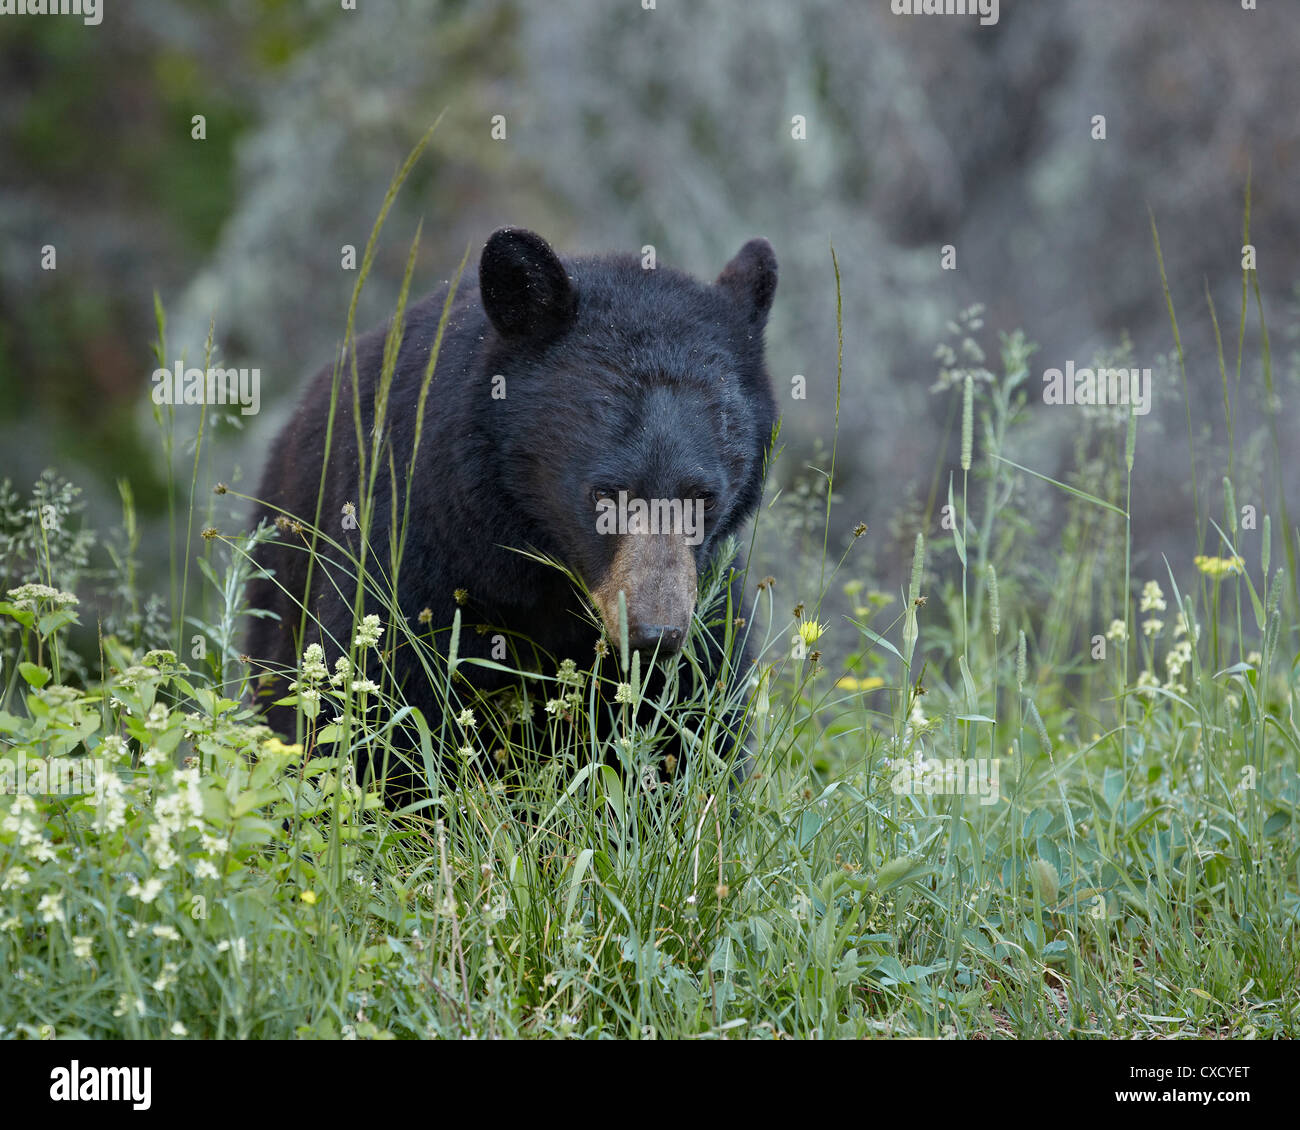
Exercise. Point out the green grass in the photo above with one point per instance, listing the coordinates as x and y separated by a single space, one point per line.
1137 874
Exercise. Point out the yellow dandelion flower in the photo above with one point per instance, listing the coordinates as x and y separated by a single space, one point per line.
852 683
1218 567
810 631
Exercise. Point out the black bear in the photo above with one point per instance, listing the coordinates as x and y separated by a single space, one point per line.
574 401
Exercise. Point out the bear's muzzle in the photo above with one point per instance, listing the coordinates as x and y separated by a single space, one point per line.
656 574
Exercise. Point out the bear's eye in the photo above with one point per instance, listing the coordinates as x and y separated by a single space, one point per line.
601 494
710 501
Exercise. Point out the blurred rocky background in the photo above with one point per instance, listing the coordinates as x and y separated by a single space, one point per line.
672 127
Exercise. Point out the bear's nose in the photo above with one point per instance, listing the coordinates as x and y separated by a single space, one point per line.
665 637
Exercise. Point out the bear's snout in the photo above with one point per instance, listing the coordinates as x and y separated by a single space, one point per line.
656 574
650 637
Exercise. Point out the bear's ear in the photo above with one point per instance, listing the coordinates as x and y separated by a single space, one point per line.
750 280
526 290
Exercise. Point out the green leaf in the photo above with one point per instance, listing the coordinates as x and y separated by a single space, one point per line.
614 791
1048 850
573 786
969 683
723 961
35 676
25 616
846 969
1236 668
898 871
956 532
575 882
205 567
810 823
874 638
1276 823
1112 786
1065 487
1033 934
1036 823
889 970
253 798
53 621
10 724
215 806
1057 952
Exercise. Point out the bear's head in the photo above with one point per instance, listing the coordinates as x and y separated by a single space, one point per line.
635 413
